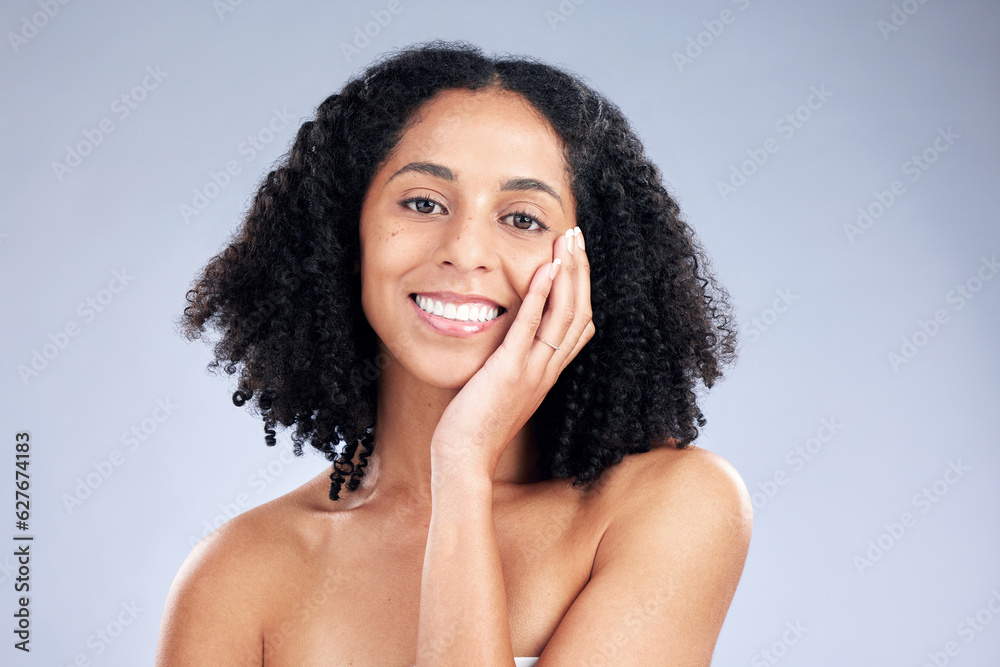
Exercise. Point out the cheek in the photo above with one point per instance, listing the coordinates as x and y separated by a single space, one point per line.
523 268
384 264
372 277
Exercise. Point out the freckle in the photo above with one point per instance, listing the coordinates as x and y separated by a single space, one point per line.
395 232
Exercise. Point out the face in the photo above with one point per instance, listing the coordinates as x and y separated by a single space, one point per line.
467 208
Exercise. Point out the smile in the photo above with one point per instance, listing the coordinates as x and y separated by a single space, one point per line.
464 312
427 310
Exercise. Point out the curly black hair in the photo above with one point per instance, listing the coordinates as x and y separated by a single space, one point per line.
288 304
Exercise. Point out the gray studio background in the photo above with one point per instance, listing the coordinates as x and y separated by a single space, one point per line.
856 229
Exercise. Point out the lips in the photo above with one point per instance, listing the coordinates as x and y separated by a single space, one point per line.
455 328
459 299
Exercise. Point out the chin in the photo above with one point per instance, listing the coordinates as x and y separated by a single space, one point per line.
448 373
445 365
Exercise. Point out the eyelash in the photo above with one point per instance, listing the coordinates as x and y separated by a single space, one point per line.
524 214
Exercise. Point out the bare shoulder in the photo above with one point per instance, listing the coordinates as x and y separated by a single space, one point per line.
686 491
678 525
695 471
683 516
216 607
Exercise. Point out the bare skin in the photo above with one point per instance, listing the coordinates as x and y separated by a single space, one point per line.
295 582
544 568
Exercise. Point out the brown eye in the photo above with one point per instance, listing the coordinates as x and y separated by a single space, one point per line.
421 205
522 221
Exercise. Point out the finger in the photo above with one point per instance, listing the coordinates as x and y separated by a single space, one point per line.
584 307
558 315
522 330
588 333
581 328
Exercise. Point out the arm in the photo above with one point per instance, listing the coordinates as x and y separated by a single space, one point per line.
664 574
463 605
666 569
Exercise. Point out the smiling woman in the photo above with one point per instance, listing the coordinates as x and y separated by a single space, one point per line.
490 233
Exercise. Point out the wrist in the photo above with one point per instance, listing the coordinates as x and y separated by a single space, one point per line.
454 469
459 457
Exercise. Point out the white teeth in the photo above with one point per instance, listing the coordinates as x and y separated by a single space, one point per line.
461 313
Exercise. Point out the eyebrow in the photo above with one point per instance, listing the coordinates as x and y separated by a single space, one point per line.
512 185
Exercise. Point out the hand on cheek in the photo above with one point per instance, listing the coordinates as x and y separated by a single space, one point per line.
551 327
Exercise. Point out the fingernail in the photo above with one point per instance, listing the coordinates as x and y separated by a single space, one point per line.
554 268
579 238
569 241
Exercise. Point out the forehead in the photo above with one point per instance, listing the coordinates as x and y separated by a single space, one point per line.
492 129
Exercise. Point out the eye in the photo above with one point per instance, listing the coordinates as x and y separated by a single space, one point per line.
423 205
523 218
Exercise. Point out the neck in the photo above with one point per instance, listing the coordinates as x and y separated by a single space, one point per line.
408 411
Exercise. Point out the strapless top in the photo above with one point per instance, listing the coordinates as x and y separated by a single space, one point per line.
525 662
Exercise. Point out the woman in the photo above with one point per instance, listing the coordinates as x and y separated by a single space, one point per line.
467 269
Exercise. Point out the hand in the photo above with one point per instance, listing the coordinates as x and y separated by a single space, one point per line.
499 399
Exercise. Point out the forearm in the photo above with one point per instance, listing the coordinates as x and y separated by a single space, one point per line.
463 604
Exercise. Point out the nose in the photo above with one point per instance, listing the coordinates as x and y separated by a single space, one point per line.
467 242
